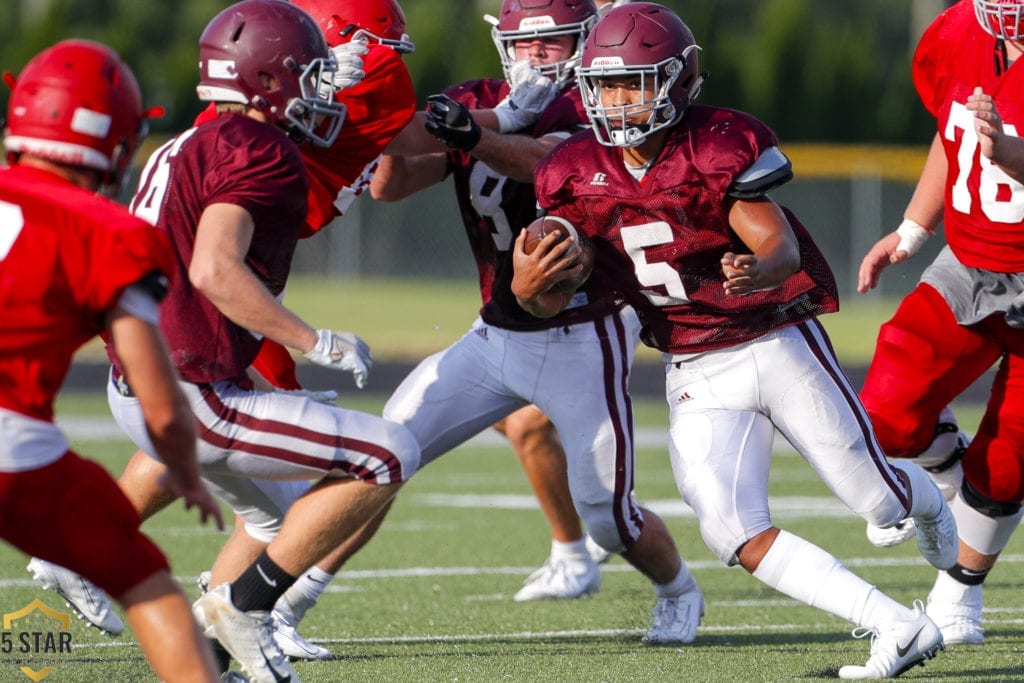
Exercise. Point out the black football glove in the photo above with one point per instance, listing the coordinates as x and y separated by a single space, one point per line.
451 123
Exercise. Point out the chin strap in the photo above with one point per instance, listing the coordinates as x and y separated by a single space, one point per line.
1002 60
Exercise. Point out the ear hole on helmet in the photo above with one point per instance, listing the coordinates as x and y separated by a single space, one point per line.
268 81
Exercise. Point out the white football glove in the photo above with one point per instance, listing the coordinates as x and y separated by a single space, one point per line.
350 63
531 94
328 396
343 351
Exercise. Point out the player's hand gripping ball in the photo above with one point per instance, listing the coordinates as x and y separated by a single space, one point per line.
584 262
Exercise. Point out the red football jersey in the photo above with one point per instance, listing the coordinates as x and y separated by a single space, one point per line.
232 159
377 109
494 209
984 207
660 241
66 255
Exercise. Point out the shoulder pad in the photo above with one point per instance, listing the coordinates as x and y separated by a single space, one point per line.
154 284
771 170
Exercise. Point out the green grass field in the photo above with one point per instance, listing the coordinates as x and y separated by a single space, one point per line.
410 319
430 599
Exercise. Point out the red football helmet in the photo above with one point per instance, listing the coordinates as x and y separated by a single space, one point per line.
271 55
527 19
379 21
1004 19
648 42
77 103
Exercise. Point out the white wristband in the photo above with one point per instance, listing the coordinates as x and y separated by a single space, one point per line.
912 236
507 119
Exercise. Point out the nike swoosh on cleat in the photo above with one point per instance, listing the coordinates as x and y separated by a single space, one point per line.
902 650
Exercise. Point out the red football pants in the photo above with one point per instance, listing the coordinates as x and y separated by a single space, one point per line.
923 360
72 513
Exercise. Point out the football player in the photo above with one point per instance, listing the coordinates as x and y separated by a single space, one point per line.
74 265
728 285
573 368
368 38
966 313
231 194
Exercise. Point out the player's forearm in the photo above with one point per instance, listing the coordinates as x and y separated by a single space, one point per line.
414 139
513 156
154 381
398 177
926 204
243 299
778 257
546 305
1008 154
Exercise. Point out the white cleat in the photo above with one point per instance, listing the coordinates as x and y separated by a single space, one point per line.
895 535
937 538
561 580
897 646
85 599
248 636
960 622
675 620
293 645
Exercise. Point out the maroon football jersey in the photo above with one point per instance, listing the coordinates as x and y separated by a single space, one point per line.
232 159
495 208
661 240
984 207
66 256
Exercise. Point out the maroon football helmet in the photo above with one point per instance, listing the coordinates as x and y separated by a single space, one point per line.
648 42
379 21
77 103
1004 19
271 55
527 19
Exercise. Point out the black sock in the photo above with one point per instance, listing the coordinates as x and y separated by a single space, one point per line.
222 656
967 577
259 586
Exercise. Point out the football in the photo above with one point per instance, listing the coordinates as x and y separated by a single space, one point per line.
539 229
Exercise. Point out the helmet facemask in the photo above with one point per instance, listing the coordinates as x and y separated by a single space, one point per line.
617 125
315 115
1000 18
561 72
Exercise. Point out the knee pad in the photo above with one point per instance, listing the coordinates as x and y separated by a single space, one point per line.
985 505
983 524
602 527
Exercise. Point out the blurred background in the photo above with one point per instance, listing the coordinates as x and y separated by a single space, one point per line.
832 77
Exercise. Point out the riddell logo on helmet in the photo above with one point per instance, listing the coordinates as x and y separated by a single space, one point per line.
537 22
607 61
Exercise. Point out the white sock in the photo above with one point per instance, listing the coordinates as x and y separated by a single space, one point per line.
683 582
574 551
304 593
807 573
925 498
948 589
